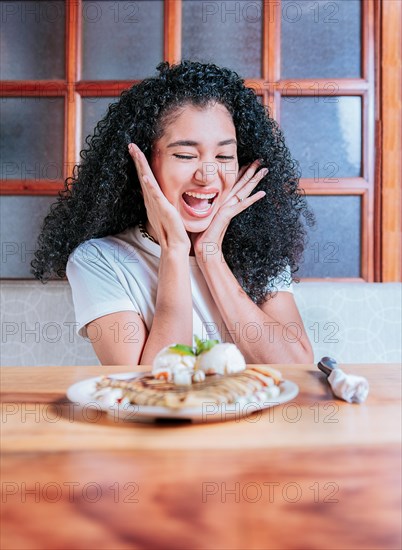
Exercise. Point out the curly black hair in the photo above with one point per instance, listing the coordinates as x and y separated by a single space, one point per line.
103 196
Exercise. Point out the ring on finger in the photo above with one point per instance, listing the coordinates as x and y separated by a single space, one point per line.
238 198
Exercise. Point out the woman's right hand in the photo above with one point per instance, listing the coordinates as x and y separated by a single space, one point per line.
163 217
173 318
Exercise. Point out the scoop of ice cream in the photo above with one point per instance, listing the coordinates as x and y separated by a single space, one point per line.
221 359
182 376
168 361
198 376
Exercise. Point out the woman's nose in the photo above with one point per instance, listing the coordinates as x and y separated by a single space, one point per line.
206 172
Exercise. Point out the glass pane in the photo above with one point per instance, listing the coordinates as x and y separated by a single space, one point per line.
324 135
321 39
333 249
225 33
32 138
20 222
93 110
122 40
32 40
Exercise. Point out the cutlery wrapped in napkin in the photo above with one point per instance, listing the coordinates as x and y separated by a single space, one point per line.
349 387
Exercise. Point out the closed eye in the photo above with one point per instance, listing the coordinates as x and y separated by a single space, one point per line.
189 158
183 157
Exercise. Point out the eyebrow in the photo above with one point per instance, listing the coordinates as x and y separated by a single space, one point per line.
191 143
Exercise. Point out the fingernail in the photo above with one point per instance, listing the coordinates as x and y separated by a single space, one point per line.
134 150
264 172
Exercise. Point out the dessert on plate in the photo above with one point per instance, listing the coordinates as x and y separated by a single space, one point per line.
185 377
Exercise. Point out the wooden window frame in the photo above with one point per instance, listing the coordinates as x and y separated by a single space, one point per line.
389 141
379 187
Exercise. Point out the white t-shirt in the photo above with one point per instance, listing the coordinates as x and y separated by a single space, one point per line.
120 273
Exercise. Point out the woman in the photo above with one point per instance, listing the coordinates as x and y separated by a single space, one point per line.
184 217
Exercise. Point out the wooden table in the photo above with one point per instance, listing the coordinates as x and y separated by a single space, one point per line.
315 473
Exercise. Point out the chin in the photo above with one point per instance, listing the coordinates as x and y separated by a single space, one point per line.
197 226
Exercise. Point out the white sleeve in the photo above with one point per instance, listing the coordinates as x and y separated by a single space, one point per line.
283 281
95 286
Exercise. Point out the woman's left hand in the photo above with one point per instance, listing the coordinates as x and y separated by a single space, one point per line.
237 200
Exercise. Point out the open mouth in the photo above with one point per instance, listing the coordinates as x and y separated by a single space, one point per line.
198 204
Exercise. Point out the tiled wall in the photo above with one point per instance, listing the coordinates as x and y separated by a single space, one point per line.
352 322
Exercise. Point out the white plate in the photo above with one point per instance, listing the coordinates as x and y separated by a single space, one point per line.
82 393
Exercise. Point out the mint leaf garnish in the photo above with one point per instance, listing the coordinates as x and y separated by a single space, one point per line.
204 345
181 349
198 344
200 347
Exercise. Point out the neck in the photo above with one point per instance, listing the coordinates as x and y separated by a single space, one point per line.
150 230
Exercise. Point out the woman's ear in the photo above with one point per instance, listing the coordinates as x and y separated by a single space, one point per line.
154 152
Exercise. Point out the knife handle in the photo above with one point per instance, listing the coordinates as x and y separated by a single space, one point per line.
327 365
